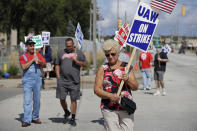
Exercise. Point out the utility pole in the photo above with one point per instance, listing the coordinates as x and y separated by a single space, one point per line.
125 17
118 19
94 34
139 2
90 37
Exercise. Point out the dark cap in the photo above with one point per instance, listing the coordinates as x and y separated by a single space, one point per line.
29 42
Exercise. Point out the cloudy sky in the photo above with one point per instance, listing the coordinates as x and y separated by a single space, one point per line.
169 24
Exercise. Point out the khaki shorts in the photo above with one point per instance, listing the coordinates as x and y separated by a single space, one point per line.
48 67
117 120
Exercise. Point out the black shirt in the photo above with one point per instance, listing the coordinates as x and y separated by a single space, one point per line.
162 65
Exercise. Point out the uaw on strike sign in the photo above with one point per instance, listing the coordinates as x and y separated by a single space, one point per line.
144 24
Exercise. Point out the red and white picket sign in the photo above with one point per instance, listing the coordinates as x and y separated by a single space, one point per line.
122 34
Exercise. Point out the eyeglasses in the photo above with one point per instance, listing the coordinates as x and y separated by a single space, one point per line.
112 54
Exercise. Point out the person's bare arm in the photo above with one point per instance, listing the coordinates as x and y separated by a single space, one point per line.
81 63
43 65
98 90
162 60
130 80
140 65
57 71
27 65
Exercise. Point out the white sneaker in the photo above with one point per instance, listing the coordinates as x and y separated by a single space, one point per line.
148 88
163 93
157 93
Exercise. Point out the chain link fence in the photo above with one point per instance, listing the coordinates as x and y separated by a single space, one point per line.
10 54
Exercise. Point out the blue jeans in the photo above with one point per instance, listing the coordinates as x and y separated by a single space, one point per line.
146 77
32 82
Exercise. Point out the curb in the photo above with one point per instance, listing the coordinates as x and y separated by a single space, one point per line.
16 83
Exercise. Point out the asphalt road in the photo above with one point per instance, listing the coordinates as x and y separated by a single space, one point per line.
6 93
177 111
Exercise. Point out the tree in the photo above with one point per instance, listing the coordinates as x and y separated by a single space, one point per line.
10 16
41 15
70 29
59 17
78 11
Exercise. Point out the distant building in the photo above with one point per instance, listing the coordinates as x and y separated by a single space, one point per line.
3 40
13 39
191 41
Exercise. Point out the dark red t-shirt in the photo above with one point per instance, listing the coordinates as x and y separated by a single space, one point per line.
145 58
30 57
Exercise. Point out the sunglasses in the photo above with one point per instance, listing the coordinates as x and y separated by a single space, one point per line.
112 54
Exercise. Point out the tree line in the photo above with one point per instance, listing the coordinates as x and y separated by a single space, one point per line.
60 17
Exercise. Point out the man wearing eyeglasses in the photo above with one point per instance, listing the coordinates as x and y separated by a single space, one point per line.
68 65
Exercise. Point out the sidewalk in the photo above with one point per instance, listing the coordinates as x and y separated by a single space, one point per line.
16 83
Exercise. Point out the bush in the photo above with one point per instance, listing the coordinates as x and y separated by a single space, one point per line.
13 70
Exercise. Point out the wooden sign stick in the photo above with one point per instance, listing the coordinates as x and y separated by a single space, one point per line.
127 70
35 54
43 51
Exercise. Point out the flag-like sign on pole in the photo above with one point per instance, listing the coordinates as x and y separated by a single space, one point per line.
122 34
45 38
164 5
79 35
166 49
144 24
157 42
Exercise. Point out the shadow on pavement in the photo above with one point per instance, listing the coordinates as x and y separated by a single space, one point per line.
20 117
57 120
149 93
99 121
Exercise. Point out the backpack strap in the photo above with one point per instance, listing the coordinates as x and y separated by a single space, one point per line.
25 57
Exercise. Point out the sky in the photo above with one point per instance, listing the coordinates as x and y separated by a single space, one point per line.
169 24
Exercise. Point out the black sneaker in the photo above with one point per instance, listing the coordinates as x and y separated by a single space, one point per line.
66 115
72 122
